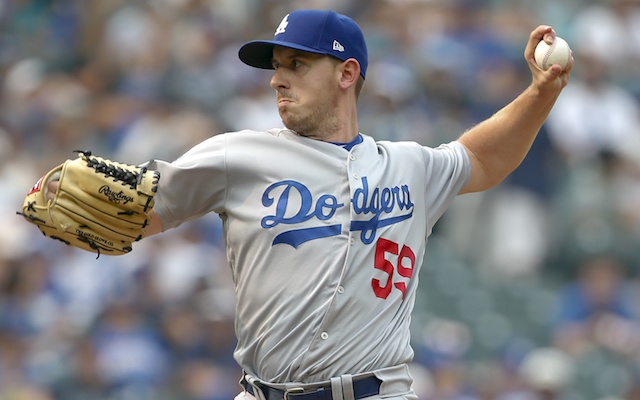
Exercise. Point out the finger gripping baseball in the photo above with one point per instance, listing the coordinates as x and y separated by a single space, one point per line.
100 205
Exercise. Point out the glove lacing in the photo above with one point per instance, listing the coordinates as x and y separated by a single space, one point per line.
127 177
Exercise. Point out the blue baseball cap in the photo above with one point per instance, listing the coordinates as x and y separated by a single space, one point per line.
315 31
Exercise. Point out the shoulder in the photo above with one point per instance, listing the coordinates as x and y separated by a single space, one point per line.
450 156
248 134
371 142
453 147
243 138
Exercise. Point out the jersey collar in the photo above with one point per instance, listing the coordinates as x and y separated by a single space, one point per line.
348 146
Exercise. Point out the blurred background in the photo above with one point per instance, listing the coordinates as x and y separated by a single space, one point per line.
529 291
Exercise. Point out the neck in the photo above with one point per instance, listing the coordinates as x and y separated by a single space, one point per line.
343 130
341 136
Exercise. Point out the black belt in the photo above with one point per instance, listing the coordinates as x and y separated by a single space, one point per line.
361 388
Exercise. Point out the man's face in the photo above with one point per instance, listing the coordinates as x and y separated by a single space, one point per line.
307 90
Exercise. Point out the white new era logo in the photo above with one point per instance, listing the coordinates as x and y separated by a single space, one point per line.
337 46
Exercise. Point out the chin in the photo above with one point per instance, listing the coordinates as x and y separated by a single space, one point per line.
300 126
289 124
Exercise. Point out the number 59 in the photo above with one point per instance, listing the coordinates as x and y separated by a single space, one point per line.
384 246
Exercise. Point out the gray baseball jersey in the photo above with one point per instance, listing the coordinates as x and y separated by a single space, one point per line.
325 243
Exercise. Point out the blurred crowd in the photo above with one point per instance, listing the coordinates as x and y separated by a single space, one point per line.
530 290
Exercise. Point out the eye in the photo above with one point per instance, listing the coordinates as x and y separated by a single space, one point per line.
295 64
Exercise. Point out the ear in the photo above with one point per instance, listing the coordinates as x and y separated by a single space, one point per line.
350 72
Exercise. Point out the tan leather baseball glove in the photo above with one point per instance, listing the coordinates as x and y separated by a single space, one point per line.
100 206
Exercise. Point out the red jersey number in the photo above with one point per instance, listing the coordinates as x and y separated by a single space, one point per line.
405 259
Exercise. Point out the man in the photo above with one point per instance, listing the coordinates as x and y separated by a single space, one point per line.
325 229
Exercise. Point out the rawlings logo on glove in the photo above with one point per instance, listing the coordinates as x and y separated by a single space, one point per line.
100 205
113 197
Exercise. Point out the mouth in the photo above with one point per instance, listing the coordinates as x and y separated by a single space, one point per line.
284 98
284 102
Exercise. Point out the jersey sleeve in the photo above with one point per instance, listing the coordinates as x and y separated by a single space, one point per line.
193 185
448 170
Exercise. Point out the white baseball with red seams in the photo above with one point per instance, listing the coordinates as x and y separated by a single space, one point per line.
557 52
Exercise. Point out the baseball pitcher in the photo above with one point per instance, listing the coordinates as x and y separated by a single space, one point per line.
325 228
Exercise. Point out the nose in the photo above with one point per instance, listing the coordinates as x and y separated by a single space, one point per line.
278 80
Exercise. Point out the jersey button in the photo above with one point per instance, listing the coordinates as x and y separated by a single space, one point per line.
356 176
352 157
324 336
340 289
352 241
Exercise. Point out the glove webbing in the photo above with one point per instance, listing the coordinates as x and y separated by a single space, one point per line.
109 170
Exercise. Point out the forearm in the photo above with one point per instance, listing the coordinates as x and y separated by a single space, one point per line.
155 225
500 143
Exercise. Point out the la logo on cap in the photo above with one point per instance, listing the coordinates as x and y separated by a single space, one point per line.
283 25
315 31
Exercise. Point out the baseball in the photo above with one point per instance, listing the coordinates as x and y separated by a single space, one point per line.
557 52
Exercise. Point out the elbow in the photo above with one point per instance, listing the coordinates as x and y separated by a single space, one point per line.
485 177
481 184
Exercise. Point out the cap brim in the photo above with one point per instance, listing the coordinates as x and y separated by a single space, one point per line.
259 53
